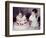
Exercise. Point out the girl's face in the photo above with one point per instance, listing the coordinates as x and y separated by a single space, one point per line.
32 12
20 15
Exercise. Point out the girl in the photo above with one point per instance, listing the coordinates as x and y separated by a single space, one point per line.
21 22
33 20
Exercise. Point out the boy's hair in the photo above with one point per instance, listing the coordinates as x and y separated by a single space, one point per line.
35 10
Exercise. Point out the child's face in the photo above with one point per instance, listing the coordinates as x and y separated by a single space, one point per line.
35 13
20 15
32 12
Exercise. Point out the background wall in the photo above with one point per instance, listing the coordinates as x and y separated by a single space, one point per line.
24 10
2 19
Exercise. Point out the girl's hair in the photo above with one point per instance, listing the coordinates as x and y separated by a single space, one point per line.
35 10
